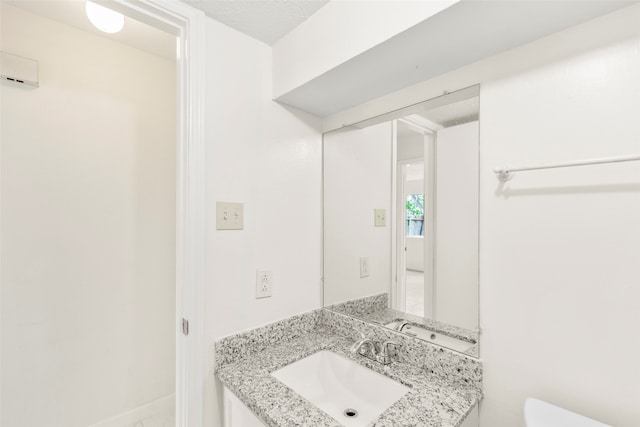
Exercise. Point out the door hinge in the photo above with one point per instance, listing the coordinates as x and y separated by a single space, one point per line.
185 326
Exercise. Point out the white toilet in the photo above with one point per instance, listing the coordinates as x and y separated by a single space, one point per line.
542 414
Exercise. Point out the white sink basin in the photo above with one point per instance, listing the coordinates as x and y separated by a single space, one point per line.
338 386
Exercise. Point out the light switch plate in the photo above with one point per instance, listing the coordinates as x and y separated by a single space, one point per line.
229 216
380 217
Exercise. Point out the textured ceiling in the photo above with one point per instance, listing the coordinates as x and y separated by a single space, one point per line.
264 20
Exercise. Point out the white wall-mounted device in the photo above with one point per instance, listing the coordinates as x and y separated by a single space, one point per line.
18 69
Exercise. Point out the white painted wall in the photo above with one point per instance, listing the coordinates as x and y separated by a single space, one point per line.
560 248
88 227
269 158
410 143
457 225
339 31
559 294
357 180
415 186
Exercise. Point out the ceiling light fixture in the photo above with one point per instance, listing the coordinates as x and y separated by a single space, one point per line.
103 18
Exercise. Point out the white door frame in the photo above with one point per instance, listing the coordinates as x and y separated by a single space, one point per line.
188 25
398 240
430 230
400 226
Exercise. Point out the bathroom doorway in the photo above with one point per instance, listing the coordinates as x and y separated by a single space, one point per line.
100 259
415 213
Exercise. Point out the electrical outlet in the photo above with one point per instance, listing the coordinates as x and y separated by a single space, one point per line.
364 267
264 283
379 217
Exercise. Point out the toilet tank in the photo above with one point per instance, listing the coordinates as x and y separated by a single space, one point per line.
538 413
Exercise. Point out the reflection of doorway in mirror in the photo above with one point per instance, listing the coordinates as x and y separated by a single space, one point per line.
437 211
412 211
415 203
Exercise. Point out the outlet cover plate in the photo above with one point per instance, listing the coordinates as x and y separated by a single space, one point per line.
264 283
380 217
364 267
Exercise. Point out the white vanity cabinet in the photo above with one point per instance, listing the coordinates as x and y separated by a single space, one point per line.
236 414
473 419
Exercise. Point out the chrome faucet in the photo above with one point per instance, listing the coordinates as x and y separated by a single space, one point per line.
404 326
386 356
365 347
373 350
401 325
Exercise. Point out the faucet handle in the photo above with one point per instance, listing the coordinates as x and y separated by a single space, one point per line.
385 357
386 344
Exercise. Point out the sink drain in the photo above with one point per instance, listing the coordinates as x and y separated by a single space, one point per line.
350 413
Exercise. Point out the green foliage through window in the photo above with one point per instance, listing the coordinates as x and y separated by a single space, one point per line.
415 205
415 215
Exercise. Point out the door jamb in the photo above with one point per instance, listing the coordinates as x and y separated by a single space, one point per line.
188 25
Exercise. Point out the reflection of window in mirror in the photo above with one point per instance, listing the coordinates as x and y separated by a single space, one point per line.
414 274
415 215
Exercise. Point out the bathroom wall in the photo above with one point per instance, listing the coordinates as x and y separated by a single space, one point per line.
559 294
560 300
88 228
269 158
457 225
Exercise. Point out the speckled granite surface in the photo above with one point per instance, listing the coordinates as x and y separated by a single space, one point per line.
375 309
431 402
389 315
456 368
237 346
362 306
445 384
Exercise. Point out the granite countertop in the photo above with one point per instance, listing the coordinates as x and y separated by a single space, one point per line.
388 315
376 309
432 401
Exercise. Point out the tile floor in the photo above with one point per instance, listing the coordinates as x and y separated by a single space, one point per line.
161 419
415 292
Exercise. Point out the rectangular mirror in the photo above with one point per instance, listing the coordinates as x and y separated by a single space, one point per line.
401 210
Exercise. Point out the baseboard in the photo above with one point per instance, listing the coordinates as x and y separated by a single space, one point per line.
147 410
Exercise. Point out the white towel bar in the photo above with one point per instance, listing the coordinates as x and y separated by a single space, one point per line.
506 173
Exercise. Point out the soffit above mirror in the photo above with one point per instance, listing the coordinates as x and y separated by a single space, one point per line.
264 20
464 33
